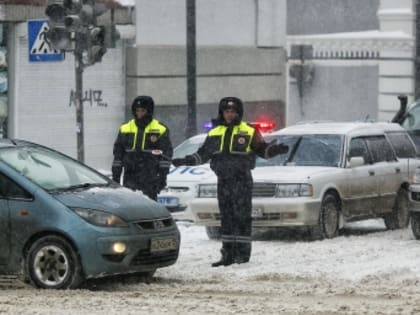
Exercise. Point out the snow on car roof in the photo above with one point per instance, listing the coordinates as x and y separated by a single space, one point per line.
339 128
325 128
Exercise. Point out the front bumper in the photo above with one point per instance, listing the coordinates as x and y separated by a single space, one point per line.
266 212
177 204
99 259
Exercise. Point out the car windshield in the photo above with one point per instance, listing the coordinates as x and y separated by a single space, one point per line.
187 147
306 150
49 169
411 120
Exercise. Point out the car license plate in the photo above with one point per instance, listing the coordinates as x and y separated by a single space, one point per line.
257 213
168 201
162 244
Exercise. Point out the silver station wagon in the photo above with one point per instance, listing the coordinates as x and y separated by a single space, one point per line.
333 173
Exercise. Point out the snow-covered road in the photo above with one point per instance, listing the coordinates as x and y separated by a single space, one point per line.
368 270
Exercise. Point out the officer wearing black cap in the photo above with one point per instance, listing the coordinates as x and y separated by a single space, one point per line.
143 150
232 146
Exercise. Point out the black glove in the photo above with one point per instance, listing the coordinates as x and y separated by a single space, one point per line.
116 173
277 149
179 162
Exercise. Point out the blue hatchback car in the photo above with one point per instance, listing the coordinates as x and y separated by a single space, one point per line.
62 222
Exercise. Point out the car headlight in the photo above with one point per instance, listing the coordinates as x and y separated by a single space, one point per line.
100 218
293 190
207 191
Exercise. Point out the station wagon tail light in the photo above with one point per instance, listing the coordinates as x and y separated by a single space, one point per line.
294 190
100 218
207 191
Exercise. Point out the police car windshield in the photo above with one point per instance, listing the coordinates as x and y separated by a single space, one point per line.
412 118
189 146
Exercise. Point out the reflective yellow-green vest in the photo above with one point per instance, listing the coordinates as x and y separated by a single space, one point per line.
153 131
240 142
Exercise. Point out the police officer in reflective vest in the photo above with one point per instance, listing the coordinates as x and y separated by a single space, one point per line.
232 146
143 150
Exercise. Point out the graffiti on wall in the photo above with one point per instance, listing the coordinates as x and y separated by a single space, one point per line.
90 97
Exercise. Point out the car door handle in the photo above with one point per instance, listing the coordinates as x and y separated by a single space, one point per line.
371 173
397 170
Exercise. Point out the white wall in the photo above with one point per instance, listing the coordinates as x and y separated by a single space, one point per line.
40 107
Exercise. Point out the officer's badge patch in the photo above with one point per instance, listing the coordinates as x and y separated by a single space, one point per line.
153 138
241 140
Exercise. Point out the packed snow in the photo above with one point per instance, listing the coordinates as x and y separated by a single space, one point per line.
366 270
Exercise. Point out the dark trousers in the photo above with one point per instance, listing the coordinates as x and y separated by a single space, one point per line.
149 189
234 195
152 194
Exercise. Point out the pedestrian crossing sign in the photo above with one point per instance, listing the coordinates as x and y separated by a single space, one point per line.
39 47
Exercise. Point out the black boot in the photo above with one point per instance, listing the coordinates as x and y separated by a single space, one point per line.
226 259
241 260
222 262
242 253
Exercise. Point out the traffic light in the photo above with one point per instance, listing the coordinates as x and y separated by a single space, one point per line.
67 17
111 36
96 44
82 16
73 27
58 35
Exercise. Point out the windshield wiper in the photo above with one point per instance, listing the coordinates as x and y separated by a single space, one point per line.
38 161
80 186
293 151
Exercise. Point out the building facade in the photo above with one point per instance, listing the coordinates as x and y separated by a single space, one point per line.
288 60
37 96
240 52
358 57
356 73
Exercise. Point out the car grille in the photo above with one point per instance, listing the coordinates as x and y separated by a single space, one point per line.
264 190
153 225
176 209
176 189
144 257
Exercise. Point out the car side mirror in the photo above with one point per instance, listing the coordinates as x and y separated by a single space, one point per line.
356 161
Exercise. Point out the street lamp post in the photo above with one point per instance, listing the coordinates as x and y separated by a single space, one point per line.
191 129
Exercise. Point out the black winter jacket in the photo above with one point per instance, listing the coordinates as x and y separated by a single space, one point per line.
133 153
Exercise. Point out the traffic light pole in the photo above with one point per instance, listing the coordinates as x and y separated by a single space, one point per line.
79 103
72 27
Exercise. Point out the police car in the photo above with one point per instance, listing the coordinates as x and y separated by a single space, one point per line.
182 181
